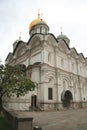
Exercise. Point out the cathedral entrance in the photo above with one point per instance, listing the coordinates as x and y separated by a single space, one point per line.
67 98
33 102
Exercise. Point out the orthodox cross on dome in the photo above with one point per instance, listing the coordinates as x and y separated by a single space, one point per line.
61 30
39 14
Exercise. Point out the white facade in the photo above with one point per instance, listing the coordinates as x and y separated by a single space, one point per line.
58 71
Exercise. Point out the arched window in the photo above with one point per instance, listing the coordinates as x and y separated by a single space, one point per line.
50 93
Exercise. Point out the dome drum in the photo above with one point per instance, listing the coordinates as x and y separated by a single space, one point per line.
38 26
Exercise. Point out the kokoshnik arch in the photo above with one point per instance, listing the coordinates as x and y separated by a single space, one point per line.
60 72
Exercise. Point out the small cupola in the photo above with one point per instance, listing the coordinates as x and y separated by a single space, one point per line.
63 37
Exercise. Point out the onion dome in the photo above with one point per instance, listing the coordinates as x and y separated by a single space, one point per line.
38 26
37 21
63 37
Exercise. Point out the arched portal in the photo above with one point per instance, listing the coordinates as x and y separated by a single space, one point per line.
67 98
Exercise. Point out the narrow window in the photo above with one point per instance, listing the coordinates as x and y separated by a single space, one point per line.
73 66
43 30
62 62
50 93
40 29
49 57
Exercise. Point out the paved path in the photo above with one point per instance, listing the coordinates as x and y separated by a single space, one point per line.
74 119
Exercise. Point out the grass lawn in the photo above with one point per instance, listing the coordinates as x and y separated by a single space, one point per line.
3 124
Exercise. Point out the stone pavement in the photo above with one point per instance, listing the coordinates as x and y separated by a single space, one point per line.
71 119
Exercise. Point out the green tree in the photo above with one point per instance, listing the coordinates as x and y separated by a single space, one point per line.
13 81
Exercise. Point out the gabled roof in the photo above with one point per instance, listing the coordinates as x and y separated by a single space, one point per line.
18 43
50 34
73 52
81 57
10 55
63 45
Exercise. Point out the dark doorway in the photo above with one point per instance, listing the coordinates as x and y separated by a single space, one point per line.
66 98
33 101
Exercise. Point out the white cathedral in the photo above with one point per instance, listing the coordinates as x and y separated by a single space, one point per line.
58 71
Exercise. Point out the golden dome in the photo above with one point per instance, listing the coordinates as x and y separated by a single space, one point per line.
36 21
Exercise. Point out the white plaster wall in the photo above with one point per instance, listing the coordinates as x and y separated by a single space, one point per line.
35 75
45 59
43 92
25 62
36 58
60 90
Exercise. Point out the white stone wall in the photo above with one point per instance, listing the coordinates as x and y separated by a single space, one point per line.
61 69
36 57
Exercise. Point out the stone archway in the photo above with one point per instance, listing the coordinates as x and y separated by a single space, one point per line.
66 98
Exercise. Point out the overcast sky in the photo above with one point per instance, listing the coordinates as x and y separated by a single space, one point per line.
16 15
